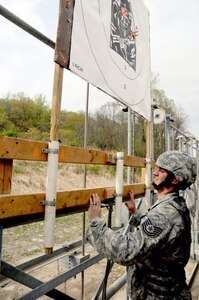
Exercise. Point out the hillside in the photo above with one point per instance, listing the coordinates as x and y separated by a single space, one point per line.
29 177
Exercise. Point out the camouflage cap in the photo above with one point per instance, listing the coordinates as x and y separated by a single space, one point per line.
180 164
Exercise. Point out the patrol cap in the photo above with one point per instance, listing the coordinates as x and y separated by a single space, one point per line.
180 164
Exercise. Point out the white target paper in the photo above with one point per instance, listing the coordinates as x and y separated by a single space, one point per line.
110 49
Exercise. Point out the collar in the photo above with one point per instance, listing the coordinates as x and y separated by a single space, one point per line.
164 198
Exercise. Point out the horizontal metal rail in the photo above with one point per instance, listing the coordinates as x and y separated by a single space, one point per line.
48 286
40 260
25 26
29 281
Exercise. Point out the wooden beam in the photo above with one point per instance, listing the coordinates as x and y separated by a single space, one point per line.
132 161
26 207
20 149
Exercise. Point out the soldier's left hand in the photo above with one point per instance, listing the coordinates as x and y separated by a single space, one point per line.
131 204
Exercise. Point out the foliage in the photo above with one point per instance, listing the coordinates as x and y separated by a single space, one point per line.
71 129
179 119
28 118
24 117
107 128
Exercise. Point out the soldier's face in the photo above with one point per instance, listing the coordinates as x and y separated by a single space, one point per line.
159 175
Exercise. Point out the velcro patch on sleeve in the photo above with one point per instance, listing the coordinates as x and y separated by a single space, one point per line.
150 230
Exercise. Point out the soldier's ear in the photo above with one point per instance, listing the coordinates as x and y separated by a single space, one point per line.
175 181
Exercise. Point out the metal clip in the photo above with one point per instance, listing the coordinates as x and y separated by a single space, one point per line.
47 203
121 157
117 195
51 151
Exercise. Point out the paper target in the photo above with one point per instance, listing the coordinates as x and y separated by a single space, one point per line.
110 49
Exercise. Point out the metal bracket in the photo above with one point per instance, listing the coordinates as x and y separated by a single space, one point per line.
117 195
50 151
119 157
47 203
73 260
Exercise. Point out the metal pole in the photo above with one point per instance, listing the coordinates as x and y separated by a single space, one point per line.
25 26
129 144
116 286
125 213
152 154
197 190
167 133
84 215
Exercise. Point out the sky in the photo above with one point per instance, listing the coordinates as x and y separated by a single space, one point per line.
27 65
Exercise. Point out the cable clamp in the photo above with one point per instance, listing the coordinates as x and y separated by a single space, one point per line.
50 151
47 203
117 195
119 157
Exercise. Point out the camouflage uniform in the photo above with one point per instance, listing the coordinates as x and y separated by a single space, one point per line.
155 253
158 250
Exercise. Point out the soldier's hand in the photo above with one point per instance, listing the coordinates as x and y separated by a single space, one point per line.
94 210
131 204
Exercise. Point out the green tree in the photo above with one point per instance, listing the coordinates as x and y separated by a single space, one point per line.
177 113
71 129
20 114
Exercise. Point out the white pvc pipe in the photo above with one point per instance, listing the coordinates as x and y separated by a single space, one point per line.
51 185
119 188
148 182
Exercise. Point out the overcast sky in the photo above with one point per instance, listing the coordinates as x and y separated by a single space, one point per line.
27 65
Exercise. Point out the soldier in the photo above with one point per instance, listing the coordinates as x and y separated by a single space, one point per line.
157 251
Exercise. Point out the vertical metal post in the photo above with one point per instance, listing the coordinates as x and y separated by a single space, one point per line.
197 190
84 215
151 134
129 170
167 133
125 213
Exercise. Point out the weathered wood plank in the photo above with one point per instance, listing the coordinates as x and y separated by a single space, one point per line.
28 205
13 148
63 41
20 149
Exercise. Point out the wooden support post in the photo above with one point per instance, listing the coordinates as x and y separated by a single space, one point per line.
56 102
5 188
5 175
62 51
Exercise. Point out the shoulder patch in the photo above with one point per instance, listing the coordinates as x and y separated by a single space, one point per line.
150 230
